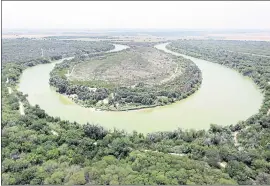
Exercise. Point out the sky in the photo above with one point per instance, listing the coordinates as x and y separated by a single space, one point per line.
135 14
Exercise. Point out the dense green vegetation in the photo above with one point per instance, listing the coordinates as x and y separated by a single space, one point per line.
23 50
78 37
40 149
240 47
136 78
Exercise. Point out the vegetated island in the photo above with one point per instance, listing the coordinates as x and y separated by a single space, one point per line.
136 78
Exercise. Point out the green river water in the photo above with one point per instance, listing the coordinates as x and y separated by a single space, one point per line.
225 97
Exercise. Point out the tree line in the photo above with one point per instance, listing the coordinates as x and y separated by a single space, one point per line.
24 49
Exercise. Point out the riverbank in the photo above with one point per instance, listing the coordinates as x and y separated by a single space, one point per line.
73 99
231 60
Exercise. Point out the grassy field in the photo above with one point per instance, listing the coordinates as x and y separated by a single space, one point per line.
128 68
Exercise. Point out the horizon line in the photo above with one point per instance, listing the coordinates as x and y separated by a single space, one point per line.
135 29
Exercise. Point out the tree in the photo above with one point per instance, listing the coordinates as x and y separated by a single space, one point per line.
263 179
56 178
77 179
213 157
94 131
239 171
120 147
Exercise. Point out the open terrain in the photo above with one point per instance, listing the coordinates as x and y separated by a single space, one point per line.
138 77
128 68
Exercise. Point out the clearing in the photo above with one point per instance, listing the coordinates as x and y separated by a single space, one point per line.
130 67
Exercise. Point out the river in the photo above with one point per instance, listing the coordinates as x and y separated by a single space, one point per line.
224 98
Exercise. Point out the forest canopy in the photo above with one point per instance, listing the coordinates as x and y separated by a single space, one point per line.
24 49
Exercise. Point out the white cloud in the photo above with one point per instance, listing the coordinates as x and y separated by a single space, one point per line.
140 14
